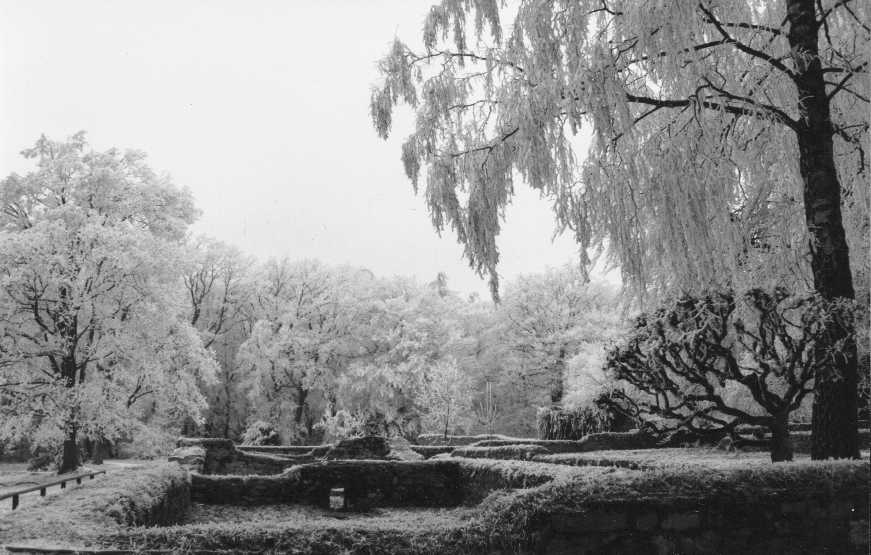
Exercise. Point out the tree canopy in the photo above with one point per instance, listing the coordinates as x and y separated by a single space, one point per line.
726 143
92 330
664 131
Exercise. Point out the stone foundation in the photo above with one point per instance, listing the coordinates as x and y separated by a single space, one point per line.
222 457
365 484
793 524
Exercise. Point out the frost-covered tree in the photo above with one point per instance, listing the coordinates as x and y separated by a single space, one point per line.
546 319
404 329
727 142
220 289
300 343
446 395
709 364
91 326
217 287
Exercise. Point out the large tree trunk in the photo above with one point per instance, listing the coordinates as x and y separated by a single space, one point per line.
70 457
781 444
834 425
298 414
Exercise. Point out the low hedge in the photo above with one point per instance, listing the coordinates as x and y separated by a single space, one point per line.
153 494
295 450
820 500
432 450
601 510
548 445
516 452
365 483
329 538
801 441
634 439
670 457
441 483
439 439
733 510
423 533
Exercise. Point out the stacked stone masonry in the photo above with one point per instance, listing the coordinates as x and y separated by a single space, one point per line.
795 524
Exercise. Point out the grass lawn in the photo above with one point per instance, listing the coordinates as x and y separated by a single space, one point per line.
15 475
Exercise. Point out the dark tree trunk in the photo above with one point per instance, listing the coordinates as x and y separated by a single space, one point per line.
189 427
70 457
228 404
447 421
556 378
834 424
299 410
781 444
298 414
101 449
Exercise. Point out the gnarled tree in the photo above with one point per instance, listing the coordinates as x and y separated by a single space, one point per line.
700 366
727 142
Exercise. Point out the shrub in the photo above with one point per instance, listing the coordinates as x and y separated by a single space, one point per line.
148 442
43 458
260 433
573 424
728 496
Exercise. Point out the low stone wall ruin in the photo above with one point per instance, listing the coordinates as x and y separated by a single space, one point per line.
364 484
222 457
794 523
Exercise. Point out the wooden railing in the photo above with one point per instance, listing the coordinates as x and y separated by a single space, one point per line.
62 481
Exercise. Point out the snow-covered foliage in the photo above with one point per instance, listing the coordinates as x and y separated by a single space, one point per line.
92 337
547 324
664 130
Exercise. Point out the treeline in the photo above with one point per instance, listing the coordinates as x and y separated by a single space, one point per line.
318 351
118 327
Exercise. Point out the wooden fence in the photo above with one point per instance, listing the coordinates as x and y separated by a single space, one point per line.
62 481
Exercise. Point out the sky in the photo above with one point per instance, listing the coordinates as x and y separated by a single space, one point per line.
261 110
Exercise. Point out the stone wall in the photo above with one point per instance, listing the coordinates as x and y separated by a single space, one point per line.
294 450
439 439
794 523
520 452
428 451
479 478
365 484
592 442
222 457
244 490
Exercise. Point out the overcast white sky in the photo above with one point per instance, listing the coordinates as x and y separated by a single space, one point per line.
261 109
